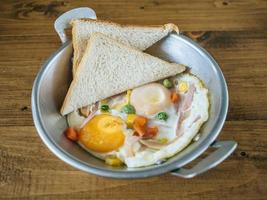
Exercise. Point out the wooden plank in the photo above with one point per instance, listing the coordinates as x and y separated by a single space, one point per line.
27 48
37 18
235 34
29 170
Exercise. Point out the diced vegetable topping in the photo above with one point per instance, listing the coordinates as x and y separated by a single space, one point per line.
141 120
151 132
174 97
128 109
139 125
183 86
162 116
113 161
163 140
128 95
104 108
141 129
71 134
130 120
104 101
167 83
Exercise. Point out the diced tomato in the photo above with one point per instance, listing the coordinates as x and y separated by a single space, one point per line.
140 130
174 97
142 121
151 132
71 134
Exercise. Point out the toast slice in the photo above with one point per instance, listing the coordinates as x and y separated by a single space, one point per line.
108 68
140 37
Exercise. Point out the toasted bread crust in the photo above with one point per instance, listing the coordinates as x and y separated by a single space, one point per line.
165 26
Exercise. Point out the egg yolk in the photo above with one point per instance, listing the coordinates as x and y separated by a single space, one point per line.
103 133
150 99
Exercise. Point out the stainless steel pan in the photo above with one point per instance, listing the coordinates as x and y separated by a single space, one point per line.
53 80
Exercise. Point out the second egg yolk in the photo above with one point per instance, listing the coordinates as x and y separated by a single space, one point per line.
103 133
150 99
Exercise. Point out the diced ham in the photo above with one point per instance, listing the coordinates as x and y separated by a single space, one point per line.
128 148
185 104
93 109
188 98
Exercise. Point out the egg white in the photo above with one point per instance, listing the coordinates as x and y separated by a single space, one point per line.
133 153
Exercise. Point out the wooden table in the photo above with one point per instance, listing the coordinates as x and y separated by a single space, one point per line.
235 32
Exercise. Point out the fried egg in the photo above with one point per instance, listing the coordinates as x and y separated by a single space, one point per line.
194 116
108 135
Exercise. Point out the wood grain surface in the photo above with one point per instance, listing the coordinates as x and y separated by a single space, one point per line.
233 31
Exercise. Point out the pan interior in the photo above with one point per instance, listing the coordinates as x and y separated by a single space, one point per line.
55 78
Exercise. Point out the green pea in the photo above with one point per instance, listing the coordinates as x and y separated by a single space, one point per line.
162 116
167 83
128 109
104 108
